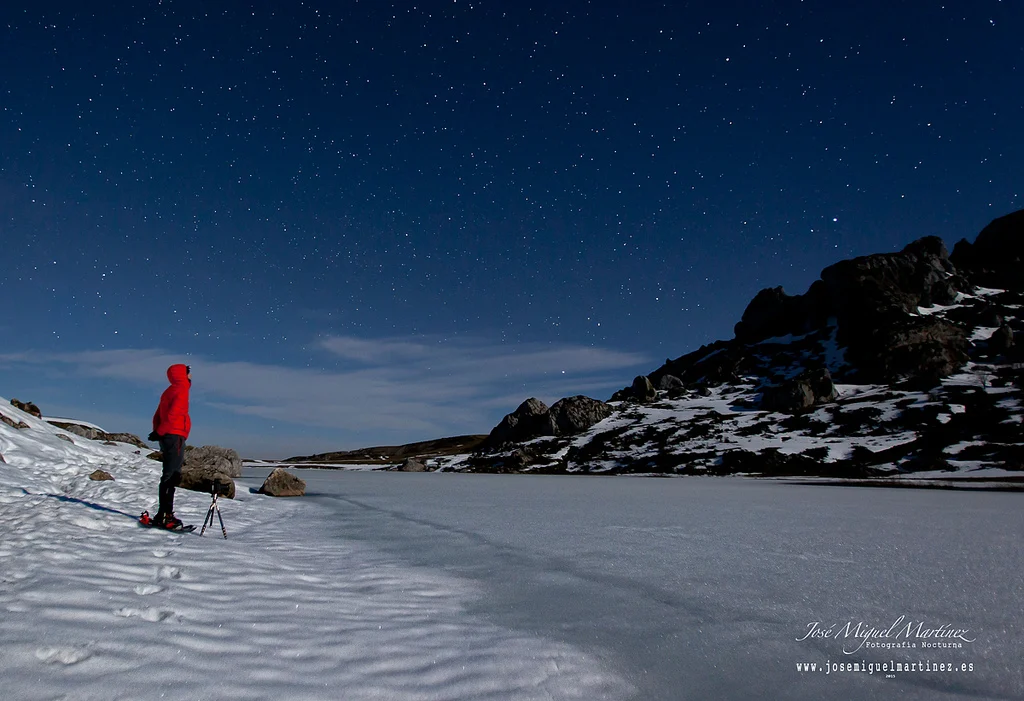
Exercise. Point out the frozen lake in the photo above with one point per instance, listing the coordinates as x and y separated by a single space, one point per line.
711 588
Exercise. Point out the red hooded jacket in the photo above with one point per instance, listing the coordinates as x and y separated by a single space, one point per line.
171 416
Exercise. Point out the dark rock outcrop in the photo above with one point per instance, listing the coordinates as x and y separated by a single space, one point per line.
530 420
27 407
995 258
873 302
921 275
533 419
920 349
101 476
710 365
280 483
772 313
123 438
873 299
95 434
574 415
77 429
10 422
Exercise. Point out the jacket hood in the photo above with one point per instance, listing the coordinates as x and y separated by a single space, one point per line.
178 374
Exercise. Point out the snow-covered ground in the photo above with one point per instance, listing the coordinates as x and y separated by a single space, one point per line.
95 607
446 586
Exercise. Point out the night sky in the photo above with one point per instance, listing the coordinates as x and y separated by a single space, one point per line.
368 222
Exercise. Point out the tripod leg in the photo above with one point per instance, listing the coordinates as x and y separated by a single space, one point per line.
208 521
222 529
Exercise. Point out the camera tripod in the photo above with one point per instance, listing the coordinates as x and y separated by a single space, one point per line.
208 521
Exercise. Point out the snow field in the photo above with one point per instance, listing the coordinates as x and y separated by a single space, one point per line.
95 607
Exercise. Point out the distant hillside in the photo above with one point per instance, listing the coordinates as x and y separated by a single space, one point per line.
390 454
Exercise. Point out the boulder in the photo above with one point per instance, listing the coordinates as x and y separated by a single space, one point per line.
212 457
795 396
788 398
101 476
643 389
518 461
670 383
412 465
280 483
530 420
1002 340
574 415
27 407
206 480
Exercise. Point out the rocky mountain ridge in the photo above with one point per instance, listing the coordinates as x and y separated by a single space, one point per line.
894 363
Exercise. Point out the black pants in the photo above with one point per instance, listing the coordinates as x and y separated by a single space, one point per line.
173 449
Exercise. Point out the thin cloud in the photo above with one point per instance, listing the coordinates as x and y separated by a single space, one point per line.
395 388
374 351
481 361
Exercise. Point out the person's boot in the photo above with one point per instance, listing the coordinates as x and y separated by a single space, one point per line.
168 520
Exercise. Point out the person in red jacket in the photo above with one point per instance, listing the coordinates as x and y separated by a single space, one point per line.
171 426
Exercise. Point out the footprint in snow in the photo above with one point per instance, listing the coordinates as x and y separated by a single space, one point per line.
147 589
62 655
148 614
168 572
89 524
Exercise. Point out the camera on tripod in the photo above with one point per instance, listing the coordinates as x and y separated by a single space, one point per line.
217 489
220 489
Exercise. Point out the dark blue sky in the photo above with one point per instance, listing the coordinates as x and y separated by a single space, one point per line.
371 222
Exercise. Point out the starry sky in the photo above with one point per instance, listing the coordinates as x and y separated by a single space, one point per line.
369 222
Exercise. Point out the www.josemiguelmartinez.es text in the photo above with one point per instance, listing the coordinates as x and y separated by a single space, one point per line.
891 667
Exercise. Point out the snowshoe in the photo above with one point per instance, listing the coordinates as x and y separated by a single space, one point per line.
168 523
